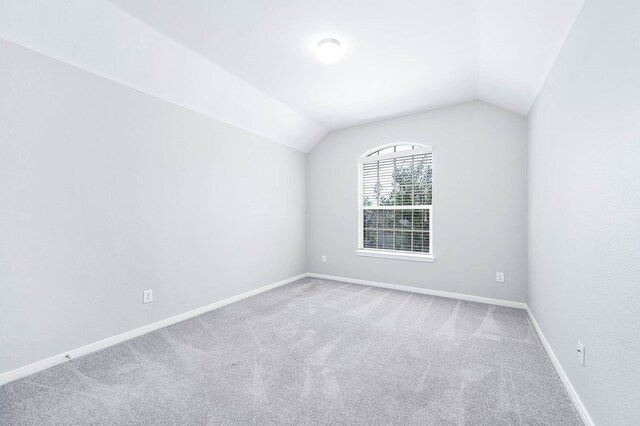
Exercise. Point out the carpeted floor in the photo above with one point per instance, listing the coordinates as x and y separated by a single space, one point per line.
312 352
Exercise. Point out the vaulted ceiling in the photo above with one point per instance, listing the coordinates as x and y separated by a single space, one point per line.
256 57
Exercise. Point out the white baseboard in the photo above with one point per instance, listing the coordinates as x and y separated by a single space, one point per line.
27 370
450 295
92 347
582 410
577 402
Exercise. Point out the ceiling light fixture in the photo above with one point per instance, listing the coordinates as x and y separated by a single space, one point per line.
329 50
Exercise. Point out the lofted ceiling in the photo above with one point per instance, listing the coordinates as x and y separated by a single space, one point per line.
251 63
400 56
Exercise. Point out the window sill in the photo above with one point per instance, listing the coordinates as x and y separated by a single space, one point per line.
395 255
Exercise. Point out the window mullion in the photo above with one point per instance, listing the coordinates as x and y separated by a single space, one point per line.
378 183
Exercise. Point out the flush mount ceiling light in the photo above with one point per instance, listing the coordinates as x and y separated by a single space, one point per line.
328 50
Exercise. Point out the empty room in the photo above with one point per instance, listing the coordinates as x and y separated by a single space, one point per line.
286 212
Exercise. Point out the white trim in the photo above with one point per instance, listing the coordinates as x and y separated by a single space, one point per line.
360 206
582 410
424 149
396 255
420 149
577 402
417 145
447 294
417 207
27 370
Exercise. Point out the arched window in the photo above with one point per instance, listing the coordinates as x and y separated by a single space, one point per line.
396 202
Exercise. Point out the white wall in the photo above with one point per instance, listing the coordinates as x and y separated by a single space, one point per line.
584 209
105 192
479 190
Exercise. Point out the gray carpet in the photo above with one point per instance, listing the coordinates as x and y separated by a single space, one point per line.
312 352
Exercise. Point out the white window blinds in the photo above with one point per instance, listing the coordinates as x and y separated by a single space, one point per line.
396 204
397 181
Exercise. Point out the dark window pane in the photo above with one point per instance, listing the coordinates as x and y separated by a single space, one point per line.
386 240
403 241
370 239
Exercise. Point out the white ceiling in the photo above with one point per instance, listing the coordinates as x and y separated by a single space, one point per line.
251 63
98 37
401 56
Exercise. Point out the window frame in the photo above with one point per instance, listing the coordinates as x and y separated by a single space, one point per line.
393 254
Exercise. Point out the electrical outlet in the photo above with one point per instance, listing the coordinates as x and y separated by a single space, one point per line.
324 259
580 353
147 296
500 277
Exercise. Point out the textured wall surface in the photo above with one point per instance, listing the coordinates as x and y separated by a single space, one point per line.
479 192
584 209
105 192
